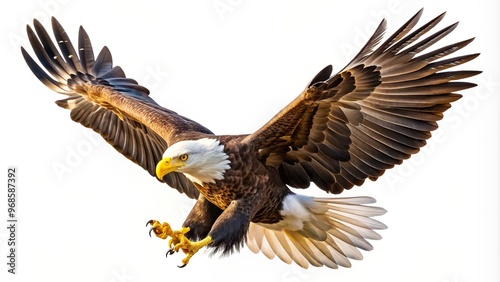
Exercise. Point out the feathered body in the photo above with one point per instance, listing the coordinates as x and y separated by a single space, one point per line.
246 191
343 128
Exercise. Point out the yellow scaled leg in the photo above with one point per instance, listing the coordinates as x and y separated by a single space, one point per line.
178 240
191 248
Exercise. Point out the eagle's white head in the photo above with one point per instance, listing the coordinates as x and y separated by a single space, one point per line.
201 161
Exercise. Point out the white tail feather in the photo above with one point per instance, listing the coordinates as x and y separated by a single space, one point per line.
318 231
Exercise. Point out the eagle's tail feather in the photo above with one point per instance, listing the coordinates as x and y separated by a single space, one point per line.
319 231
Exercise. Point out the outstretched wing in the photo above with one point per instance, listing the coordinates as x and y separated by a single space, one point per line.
375 113
85 79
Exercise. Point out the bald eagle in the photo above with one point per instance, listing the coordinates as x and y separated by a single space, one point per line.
343 128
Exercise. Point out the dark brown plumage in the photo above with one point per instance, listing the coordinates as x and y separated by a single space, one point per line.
344 128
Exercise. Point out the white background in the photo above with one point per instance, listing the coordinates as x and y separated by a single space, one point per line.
232 64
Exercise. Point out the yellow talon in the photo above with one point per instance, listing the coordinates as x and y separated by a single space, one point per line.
191 248
161 230
177 237
178 240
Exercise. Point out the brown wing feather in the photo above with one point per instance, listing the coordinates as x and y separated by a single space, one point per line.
101 97
375 113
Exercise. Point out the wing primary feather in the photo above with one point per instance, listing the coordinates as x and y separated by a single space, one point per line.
86 51
368 48
104 64
68 51
400 33
42 76
407 40
47 53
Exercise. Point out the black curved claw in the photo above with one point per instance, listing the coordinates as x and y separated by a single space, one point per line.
149 222
152 228
181 266
170 252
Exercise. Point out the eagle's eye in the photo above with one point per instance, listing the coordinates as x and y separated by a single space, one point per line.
183 157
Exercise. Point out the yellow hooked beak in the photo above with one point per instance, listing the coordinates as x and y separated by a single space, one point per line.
166 166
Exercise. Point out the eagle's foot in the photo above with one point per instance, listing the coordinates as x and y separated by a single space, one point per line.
191 248
178 240
161 230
